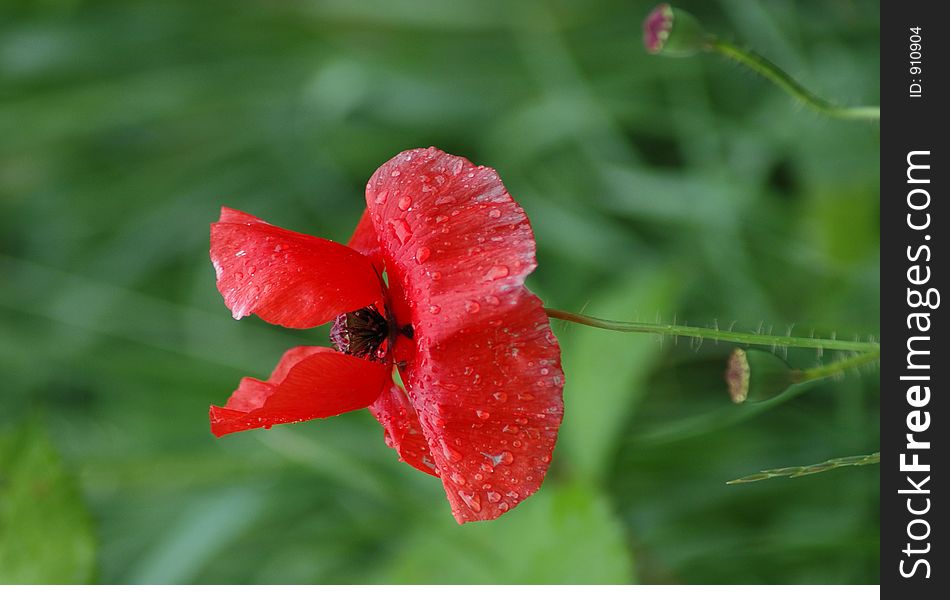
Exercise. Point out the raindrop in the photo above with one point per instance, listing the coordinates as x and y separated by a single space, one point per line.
472 306
500 396
278 248
483 415
492 300
507 458
435 309
458 479
405 202
496 272
401 229
451 454
435 275
494 213
493 496
240 253
502 506
471 500
396 173
422 255
381 197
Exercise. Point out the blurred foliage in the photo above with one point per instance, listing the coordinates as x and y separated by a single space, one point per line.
45 531
658 188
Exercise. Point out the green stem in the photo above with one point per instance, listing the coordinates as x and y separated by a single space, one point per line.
773 73
838 367
714 334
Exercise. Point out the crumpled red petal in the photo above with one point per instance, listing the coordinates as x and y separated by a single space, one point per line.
308 383
284 277
485 378
402 429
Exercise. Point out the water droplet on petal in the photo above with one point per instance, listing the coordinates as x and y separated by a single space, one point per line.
381 197
492 300
405 202
396 173
494 213
457 478
502 506
422 255
450 453
507 458
493 496
500 396
435 275
483 415
434 309
470 500
472 306
401 229
496 272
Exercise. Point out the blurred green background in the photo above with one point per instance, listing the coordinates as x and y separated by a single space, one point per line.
658 189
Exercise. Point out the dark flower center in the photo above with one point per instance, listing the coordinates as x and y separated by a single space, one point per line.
360 333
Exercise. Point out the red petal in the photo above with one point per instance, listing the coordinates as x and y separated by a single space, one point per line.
308 383
364 241
486 378
403 431
284 277
490 402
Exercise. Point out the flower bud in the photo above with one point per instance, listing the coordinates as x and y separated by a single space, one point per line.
672 32
754 375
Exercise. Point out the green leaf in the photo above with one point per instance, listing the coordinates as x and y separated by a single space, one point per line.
828 465
45 531
562 535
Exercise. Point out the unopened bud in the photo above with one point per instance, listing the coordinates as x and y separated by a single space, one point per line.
673 32
754 375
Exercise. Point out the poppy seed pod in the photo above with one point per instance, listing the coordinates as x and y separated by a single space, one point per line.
754 375
673 32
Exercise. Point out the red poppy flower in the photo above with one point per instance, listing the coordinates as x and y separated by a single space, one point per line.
432 284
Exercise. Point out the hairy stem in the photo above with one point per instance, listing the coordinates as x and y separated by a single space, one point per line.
737 337
838 367
776 75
